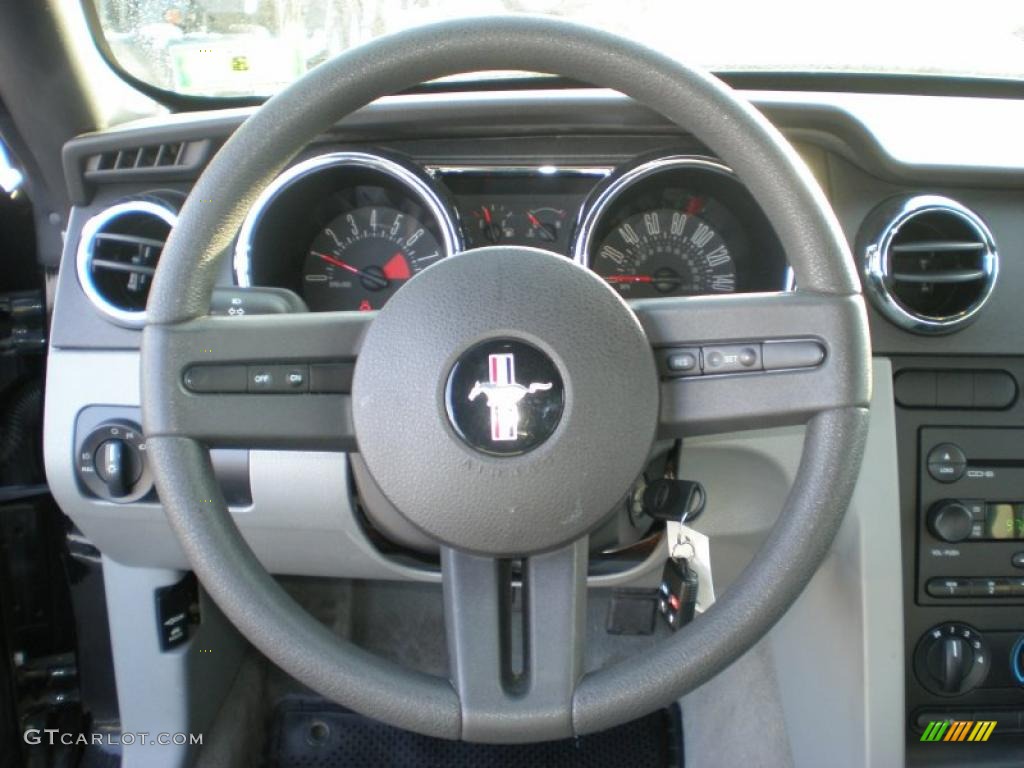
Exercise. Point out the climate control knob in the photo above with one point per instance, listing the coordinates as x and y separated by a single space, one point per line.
951 659
950 521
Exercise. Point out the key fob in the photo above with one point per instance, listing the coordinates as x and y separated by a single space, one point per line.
677 595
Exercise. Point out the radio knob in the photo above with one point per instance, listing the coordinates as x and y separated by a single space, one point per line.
950 521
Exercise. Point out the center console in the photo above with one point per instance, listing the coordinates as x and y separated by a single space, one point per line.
961 454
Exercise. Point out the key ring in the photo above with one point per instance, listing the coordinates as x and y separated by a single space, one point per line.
682 548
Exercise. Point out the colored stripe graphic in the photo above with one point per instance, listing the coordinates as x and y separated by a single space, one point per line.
935 730
959 730
982 730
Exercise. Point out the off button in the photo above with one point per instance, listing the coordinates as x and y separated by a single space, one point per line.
278 378
947 463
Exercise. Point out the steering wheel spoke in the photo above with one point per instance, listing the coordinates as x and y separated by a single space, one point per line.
267 381
758 360
515 671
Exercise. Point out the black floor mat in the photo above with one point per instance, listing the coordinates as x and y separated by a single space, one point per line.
312 734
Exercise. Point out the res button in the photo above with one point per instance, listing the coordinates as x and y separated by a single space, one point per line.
683 361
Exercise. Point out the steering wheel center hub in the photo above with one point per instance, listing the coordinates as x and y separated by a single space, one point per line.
504 400
504 397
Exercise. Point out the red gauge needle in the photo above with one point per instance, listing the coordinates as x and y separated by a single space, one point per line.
487 214
337 262
396 268
615 279
695 206
545 231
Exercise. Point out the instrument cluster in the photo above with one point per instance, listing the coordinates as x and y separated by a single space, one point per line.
345 230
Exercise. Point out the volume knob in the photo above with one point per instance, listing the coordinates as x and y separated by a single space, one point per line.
950 521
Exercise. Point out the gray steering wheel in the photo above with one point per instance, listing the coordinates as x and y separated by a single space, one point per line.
536 506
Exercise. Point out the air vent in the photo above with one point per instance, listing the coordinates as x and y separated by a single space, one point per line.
117 256
930 264
139 158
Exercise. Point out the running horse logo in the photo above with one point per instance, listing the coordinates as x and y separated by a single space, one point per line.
503 394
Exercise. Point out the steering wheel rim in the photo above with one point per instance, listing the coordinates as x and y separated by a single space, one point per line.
828 299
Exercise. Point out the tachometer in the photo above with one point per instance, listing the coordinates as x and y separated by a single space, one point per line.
362 257
664 252
345 230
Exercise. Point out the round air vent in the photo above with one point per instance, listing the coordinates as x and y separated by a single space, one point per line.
117 256
930 264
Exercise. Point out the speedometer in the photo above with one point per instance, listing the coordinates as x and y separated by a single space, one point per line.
362 257
676 225
663 252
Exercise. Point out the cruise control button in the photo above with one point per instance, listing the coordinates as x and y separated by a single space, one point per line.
262 378
779 355
732 358
215 378
278 378
331 377
948 587
296 379
947 463
681 362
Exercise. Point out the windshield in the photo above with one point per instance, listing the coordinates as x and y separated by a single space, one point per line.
256 47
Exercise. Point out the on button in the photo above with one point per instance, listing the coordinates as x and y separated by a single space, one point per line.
278 378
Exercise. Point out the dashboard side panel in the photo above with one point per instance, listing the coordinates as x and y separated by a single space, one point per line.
833 664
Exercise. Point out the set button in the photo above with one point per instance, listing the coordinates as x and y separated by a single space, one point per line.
754 356
732 358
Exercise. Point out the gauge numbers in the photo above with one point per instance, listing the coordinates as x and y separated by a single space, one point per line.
666 252
363 256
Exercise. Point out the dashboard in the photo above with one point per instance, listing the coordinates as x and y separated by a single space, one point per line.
346 229
929 191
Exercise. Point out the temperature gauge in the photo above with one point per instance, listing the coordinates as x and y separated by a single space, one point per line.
544 225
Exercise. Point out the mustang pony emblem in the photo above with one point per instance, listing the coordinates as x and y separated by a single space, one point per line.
503 394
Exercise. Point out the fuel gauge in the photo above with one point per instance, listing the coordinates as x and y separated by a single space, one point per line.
491 224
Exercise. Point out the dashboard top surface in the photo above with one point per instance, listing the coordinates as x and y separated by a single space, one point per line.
863 149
